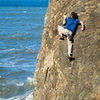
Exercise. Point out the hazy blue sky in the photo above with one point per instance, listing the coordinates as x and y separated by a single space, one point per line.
23 2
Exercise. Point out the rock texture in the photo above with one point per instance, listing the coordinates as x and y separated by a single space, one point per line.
56 77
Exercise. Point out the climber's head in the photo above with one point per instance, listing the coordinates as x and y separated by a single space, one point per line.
74 15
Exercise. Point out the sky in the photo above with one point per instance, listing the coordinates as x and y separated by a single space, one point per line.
23 2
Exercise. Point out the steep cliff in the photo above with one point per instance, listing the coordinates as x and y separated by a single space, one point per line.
56 77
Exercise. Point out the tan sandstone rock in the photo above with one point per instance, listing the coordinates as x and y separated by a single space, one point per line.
56 77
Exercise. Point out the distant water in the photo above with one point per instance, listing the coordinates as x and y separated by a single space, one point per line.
20 39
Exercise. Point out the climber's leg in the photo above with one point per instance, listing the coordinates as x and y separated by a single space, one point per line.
66 32
69 47
60 30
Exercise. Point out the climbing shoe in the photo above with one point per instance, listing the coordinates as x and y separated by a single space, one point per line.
61 38
70 57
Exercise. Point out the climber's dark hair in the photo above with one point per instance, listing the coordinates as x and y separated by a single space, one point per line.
74 15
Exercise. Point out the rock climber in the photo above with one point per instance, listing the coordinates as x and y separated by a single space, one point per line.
69 30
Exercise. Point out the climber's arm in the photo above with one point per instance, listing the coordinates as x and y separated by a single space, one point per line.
82 24
64 22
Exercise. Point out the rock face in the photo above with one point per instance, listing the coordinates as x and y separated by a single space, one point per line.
56 77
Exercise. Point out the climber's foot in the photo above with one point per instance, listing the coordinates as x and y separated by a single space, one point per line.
61 38
69 57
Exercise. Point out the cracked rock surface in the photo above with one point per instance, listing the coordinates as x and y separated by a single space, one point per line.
56 78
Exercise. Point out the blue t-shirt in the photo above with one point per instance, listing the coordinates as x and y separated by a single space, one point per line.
71 24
